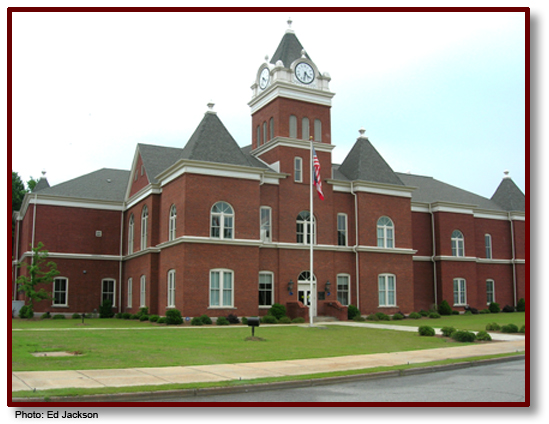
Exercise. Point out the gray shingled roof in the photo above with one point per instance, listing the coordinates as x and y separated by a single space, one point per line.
104 184
288 50
158 158
509 196
41 184
364 163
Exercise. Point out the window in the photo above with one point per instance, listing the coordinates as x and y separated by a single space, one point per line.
222 221
144 222
271 128
343 289
264 132
460 294
60 291
221 288
130 292
385 233
387 290
171 288
304 228
457 244
108 291
265 288
265 223
143 292
293 126
298 170
488 245
130 235
318 130
341 229
305 128
173 221
490 292
258 135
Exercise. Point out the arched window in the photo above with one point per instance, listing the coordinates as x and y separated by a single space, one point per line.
144 225
171 288
385 233
222 221
305 227
271 129
293 126
173 221
457 244
305 128
387 290
264 132
318 130
130 234
488 245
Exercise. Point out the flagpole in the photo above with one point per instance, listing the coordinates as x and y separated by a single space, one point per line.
312 226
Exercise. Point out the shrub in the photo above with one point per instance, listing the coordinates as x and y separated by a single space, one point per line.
26 312
454 312
161 320
494 308
45 315
352 311
424 313
277 311
468 313
522 329
285 320
173 317
359 318
448 331
118 315
143 318
493 327
397 317
143 311
382 316
509 328
245 320
126 315
521 305
508 308
233 319
484 311
434 315
269 319
425 330
206 320
484 336
105 310
444 308
58 316
134 316
76 316
464 336
196 321
414 315
298 320
153 318
372 317
222 321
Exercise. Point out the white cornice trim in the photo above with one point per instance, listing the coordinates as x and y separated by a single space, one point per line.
77 256
456 258
371 187
396 250
143 194
75 202
422 258
294 143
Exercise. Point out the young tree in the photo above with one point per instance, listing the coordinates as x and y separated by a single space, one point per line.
40 273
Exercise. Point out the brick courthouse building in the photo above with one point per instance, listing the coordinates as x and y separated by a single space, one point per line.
213 228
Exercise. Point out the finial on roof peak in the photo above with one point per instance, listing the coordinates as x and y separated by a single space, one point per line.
210 107
43 173
362 131
303 53
266 58
289 21
506 172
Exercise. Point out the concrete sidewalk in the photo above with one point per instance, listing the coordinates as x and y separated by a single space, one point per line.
44 380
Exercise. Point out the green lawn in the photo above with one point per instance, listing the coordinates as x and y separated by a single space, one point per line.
148 346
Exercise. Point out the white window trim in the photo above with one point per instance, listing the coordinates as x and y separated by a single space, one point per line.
488 248
222 272
66 292
298 169
263 237
459 292
222 216
346 230
143 291
113 290
385 237
306 225
172 223
272 289
144 226
493 290
348 291
131 227
387 304
130 292
457 241
171 289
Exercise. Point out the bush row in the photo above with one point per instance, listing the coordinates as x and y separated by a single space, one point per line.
457 335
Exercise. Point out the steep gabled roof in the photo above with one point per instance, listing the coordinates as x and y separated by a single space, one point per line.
288 50
41 184
157 158
509 196
364 163
104 184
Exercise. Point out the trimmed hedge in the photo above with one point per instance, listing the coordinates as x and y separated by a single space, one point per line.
425 330
494 308
444 308
509 328
484 336
222 321
493 327
173 317
352 311
448 331
414 315
464 336
277 311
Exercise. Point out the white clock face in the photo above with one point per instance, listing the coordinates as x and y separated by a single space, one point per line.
264 78
304 73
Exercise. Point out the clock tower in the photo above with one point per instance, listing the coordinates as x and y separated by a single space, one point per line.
291 103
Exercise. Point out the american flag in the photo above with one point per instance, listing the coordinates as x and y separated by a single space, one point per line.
317 180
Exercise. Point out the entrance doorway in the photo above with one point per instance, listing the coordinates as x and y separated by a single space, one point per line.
304 294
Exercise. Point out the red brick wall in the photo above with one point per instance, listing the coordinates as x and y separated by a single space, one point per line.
502 274
446 223
424 290
422 233
142 179
447 271
501 238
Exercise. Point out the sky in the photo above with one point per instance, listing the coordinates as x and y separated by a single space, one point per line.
439 94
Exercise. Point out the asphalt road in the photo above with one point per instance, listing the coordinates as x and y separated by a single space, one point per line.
501 382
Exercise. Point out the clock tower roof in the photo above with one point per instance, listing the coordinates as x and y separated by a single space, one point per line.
288 50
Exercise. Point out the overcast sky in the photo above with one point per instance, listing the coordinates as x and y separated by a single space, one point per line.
439 94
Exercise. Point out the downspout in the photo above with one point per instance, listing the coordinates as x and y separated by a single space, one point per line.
513 260
33 221
16 258
434 254
355 249
120 261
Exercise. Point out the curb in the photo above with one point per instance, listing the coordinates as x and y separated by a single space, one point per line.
168 394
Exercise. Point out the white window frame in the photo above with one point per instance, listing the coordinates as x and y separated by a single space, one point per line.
171 288
103 292
342 230
343 285
304 227
384 290
305 128
488 245
221 289
65 291
318 130
490 293
298 169
271 128
172 223
264 132
265 228
144 226
258 135
458 244
268 275
143 291
222 216
385 232
460 292
130 292
131 226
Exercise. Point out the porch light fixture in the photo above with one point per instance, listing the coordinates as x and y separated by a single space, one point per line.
328 285
291 287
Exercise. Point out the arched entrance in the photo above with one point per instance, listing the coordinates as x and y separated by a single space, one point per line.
304 294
